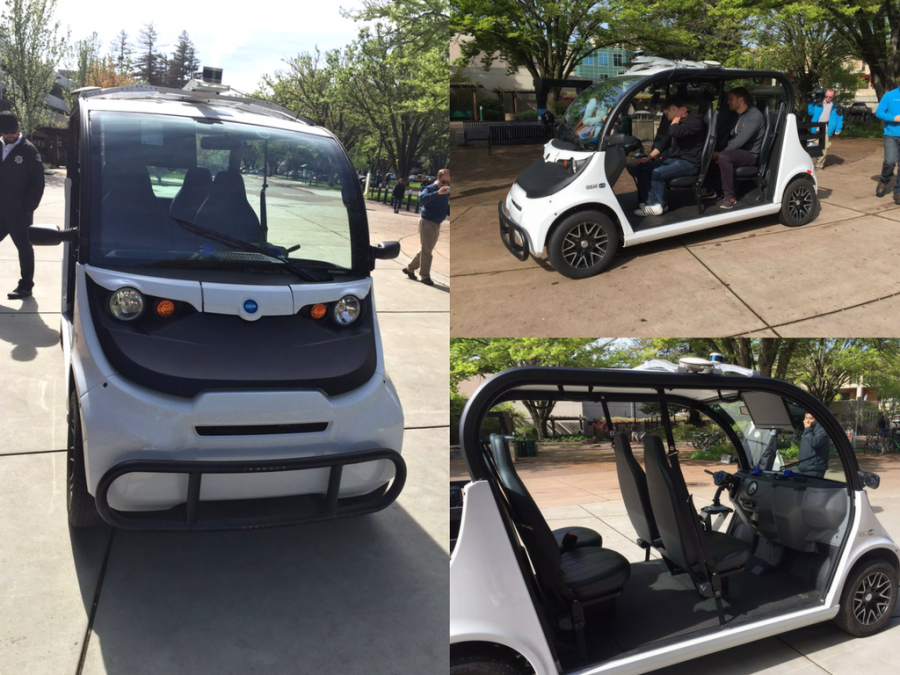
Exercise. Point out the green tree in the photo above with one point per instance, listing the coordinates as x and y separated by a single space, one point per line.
548 39
402 93
471 357
310 86
151 65
121 52
30 51
869 26
183 63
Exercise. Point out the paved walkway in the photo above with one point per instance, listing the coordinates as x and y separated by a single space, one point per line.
360 595
576 485
836 276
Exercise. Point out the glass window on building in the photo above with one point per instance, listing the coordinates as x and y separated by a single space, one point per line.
617 60
602 59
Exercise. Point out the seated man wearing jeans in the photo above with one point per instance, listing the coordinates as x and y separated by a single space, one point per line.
687 134
744 146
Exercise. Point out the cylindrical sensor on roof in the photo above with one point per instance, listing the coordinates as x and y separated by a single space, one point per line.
212 75
717 357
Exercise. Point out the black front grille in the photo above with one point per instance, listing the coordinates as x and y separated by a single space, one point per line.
261 429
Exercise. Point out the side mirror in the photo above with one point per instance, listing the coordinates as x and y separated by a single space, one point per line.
386 250
869 479
49 235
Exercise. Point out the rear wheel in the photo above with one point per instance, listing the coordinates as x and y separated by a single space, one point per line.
486 660
79 502
868 598
583 245
799 204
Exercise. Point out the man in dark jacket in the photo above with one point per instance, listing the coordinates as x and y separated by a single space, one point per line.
21 189
814 449
397 195
687 134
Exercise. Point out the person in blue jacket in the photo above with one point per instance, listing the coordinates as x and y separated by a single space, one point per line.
826 111
889 112
435 202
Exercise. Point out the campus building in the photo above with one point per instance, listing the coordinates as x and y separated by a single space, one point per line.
604 64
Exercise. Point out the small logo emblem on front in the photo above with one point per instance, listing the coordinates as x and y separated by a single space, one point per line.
250 306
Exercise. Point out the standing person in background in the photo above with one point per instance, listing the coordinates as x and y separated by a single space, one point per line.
21 189
888 111
435 202
397 195
826 112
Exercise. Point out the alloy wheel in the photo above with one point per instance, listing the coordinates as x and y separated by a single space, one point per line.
872 598
585 245
800 203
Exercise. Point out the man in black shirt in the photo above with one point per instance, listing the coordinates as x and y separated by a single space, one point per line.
21 189
814 449
687 134
745 142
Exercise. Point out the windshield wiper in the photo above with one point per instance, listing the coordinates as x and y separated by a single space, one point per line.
246 246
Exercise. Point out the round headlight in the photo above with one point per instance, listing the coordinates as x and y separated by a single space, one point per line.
126 304
347 310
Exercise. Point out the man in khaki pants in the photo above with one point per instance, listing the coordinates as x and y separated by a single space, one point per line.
435 207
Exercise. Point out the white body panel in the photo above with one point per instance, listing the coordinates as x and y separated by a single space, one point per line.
490 602
537 216
123 421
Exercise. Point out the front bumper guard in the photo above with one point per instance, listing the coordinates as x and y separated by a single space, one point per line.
249 514
508 232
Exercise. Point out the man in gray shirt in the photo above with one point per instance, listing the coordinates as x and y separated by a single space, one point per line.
744 146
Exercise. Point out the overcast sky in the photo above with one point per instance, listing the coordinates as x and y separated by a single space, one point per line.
247 40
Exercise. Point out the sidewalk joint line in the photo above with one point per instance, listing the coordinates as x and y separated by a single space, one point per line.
728 286
31 452
836 311
94 604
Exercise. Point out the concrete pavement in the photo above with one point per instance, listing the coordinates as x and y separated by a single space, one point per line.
364 595
576 485
835 276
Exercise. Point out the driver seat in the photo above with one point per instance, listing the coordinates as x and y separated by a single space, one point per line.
227 210
707 556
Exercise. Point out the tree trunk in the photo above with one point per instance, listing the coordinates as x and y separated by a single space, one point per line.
540 413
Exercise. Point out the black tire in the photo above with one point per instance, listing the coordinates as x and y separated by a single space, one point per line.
799 204
79 503
486 660
583 245
868 598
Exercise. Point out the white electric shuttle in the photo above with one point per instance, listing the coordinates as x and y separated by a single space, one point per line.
223 362
575 202
801 545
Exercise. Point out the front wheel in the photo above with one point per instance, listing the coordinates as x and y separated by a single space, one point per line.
799 205
583 245
485 660
868 598
79 503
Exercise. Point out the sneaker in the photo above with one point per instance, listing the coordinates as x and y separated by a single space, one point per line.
710 194
19 294
727 204
408 272
651 210
896 201
428 282
881 190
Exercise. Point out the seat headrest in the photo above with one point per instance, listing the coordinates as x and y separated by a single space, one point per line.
228 183
197 178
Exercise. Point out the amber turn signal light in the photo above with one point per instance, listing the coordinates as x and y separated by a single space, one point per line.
165 308
318 311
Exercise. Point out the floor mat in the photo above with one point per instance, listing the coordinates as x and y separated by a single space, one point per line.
656 607
682 207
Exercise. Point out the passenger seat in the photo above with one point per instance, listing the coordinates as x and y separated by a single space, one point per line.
131 217
186 204
587 575
227 210
582 536
633 484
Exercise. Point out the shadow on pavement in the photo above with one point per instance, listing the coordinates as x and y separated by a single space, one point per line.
361 595
24 328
